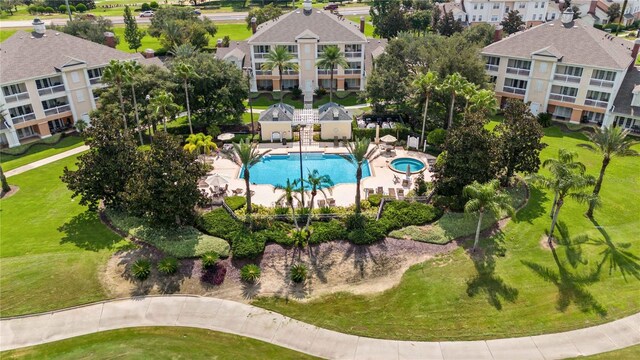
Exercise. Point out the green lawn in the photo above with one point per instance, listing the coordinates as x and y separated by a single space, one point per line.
368 28
156 343
39 152
5 34
52 249
518 288
148 41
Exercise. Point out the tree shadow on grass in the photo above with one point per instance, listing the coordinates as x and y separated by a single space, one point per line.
616 256
572 246
486 281
86 232
571 286
534 208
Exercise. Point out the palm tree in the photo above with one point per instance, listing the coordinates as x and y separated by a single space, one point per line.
427 84
453 84
164 104
486 198
330 59
185 72
290 190
183 51
133 68
482 101
3 179
317 183
116 73
280 58
358 154
608 142
248 155
468 90
200 143
566 180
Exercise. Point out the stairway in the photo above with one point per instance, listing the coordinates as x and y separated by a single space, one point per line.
306 135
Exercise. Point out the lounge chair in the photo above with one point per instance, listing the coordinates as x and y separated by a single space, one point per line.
344 141
367 192
335 141
331 202
405 183
237 191
392 193
321 203
400 194
379 190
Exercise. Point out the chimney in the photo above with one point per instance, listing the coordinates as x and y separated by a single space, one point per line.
149 53
109 39
497 34
592 7
567 17
362 24
634 53
254 24
307 6
219 43
38 26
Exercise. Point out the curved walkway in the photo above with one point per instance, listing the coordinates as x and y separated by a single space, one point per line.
246 320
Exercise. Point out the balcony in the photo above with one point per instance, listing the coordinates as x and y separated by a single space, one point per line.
563 98
327 72
601 83
289 72
22 118
596 103
16 97
514 90
567 78
353 54
263 72
95 80
260 55
491 67
51 90
352 71
518 71
57 110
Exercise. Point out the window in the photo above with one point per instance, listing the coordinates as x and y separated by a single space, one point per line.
493 79
553 16
352 83
493 60
354 68
536 5
479 17
13 89
293 49
520 64
598 95
522 5
261 49
569 70
25 132
564 90
473 18
515 83
353 47
562 112
494 18
481 6
496 6
604 75
20 110
95 73
475 6
506 9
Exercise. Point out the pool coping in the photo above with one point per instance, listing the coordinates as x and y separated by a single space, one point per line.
404 172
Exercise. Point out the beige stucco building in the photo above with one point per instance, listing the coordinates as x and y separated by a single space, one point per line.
335 122
276 122
48 80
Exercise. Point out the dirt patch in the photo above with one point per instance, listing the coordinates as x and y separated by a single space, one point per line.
544 243
10 193
333 267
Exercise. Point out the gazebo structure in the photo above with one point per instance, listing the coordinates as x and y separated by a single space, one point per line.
275 122
335 121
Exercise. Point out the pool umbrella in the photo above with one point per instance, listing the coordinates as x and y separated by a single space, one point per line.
388 139
377 134
408 172
216 180
226 136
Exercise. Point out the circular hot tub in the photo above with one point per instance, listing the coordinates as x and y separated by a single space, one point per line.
400 165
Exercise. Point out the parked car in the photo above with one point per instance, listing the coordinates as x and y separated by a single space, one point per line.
331 7
146 14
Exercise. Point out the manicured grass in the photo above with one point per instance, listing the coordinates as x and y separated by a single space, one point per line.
52 249
632 352
157 343
39 152
368 27
5 34
148 41
517 288
235 31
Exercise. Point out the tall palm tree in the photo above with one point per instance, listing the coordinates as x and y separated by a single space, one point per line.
317 182
482 101
426 83
3 179
563 164
290 190
280 58
164 104
608 142
133 68
468 90
566 183
358 154
486 198
453 84
248 154
185 72
116 73
184 51
330 59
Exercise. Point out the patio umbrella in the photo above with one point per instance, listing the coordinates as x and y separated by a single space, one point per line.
388 139
216 180
226 136
377 134
408 172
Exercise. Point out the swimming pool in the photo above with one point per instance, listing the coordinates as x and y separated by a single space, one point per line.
275 169
400 165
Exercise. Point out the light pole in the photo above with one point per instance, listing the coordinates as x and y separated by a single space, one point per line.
66 2
249 71
301 175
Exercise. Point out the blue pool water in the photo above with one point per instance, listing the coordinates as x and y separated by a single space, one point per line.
275 169
400 164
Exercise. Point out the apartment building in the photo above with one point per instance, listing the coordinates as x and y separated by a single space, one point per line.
306 32
48 81
493 12
456 8
565 67
625 111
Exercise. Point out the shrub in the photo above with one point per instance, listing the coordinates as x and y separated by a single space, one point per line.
250 273
298 273
235 202
81 7
48 10
277 232
544 118
355 222
247 245
375 199
141 269
32 9
62 9
281 210
373 232
420 185
320 92
296 93
72 8
219 223
437 137
168 266
146 7
329 231
214 275
209 259
398 214
154 5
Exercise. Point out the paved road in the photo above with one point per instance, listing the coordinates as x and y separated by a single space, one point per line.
45 161
246 320
222 16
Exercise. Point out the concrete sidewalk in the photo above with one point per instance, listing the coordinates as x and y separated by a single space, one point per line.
45 161
246 320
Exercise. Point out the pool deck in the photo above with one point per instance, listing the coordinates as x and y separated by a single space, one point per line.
343 194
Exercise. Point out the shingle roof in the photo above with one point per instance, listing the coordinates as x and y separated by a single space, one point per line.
579 44
328 28
622 102
284 111
27 55
372 50
235 48
326 112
